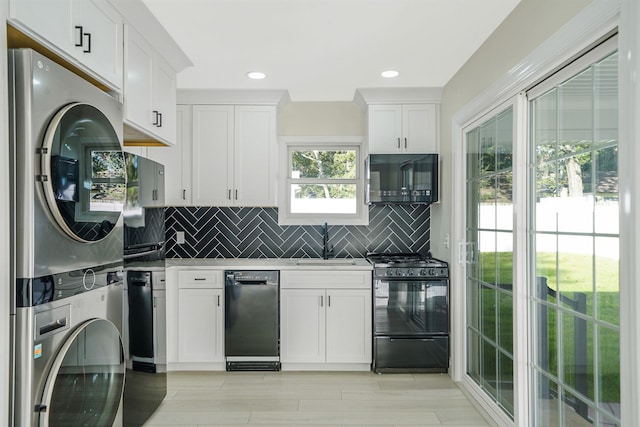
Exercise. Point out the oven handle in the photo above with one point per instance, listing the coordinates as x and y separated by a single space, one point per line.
412 339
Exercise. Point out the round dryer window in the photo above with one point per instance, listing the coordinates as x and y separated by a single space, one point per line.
86 381
83 172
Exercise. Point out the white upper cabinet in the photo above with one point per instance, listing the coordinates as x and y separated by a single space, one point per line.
101 47
87 33
396 128
177 161
212 156
150 91
234 155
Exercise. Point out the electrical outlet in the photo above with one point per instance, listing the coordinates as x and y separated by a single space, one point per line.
179 237
447 241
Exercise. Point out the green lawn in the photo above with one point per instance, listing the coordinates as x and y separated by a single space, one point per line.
569 274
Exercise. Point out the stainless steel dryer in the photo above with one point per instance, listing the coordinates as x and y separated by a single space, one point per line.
69 187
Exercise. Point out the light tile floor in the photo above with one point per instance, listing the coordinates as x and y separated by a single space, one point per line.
271 399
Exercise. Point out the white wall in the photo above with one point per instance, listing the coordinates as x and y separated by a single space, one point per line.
530 23
321 119
4 225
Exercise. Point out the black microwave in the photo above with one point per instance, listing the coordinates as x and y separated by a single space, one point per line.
402 178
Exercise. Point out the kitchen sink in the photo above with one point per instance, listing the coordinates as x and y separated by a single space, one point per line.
326 262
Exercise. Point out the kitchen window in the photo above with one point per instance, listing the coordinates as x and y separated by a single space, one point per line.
324 182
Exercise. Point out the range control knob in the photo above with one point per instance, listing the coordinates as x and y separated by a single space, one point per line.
423 272
398 272
432 272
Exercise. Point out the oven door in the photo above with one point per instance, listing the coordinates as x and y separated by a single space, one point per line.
411 307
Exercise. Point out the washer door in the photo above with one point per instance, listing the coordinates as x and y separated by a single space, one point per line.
83 174
86 380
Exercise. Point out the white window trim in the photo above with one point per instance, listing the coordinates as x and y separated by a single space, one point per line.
592 24
285 217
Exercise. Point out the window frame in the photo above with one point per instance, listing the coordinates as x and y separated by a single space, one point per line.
289 144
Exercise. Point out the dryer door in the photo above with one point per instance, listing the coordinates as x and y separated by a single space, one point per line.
82 172
86 381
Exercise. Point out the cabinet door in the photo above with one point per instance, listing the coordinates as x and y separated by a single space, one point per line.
200 325
385 129
255 156
302 325
50 20
212 155
160 326
420 128
138 83
348 326
101 45
177 161
164 99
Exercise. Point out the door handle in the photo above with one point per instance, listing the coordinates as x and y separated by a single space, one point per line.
398 143
405 143
321 301
218 300
328 300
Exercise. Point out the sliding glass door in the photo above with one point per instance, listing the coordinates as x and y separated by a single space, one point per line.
574 246
555 274
489 277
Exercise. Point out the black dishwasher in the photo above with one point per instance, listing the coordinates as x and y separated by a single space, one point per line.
252 320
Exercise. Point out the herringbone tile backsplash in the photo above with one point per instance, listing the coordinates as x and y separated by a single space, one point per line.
255 233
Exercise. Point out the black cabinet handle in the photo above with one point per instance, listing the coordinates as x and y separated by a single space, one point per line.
80 35
398 142
184 194
88 49
156 115
160 120
405 143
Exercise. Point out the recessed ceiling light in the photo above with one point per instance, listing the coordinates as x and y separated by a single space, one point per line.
389 74
256 75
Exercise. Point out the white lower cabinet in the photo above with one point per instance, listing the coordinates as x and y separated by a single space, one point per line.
302 325
325 320
200 337
195 320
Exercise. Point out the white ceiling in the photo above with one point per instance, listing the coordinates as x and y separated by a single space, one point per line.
322 50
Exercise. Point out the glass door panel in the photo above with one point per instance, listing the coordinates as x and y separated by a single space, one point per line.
574 202
489 272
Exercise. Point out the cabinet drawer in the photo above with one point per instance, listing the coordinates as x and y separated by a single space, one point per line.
198 279
323 279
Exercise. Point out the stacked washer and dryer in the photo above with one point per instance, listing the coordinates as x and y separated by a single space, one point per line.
68 195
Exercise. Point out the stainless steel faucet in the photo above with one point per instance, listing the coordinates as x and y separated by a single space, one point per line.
326 248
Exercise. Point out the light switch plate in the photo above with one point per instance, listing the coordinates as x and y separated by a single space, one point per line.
179 237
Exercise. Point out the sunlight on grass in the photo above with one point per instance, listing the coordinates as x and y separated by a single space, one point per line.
576 275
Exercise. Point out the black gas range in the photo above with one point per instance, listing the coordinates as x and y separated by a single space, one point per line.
411 313
407 264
